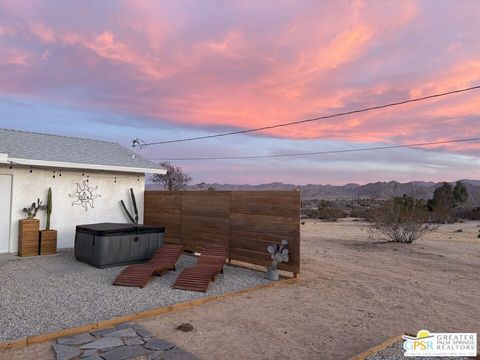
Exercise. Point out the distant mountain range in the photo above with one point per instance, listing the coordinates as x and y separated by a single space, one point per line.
378 190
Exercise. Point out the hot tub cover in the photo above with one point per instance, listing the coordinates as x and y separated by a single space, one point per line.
111 244
102 229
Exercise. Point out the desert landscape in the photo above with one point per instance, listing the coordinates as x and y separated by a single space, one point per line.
353 293
186 180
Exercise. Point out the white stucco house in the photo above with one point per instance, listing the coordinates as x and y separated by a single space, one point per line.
30 163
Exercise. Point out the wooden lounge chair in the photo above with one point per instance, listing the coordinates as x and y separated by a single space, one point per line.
138 275
209 264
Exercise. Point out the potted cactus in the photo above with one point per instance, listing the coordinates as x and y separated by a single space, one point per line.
48 237
32 210
28 234
278 254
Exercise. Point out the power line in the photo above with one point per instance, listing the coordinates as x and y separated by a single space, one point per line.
322 152
318 118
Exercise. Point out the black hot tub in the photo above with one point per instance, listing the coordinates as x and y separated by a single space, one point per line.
108 244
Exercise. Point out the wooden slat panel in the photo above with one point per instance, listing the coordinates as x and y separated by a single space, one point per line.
260 219
164 210
263 224
205 219
215 206
244 221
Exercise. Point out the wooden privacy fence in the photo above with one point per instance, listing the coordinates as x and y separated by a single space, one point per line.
244 221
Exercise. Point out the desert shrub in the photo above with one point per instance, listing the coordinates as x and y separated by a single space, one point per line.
475 215
324 204
363 213
442 215
331 214
402 222
358 212
470 213
312 213
406 201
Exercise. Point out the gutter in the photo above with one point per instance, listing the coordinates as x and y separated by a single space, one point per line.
4 159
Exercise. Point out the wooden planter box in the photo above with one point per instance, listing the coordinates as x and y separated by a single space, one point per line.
28 237
48 242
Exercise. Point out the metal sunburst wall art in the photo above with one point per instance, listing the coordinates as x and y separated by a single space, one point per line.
84 195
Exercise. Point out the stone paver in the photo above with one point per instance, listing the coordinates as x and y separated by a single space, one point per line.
106 342
124 325
94 357
159 344
65 352
103 332
128 332
122 342
156 355
89 352
125 352
76 340
134 341
144 333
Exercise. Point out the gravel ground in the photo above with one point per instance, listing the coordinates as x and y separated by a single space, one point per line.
85 294
395 352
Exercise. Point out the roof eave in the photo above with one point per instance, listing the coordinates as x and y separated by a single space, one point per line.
69 165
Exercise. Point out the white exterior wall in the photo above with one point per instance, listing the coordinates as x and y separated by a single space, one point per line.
27 187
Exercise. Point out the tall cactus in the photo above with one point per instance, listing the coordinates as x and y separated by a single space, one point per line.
133 220
49 208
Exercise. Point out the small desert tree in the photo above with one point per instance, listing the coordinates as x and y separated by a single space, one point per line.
443 197
174 180
402 220
460 193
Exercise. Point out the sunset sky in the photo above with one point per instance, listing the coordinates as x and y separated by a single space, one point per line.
161 70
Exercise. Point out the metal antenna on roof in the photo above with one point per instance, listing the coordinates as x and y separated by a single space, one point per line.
137 143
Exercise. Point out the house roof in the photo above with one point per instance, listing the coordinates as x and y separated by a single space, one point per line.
35 149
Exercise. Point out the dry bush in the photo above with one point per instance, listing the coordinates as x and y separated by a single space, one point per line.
401 223
469 213
363 213
331 213
443 216
311 213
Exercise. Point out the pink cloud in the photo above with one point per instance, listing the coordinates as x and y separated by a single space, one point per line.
44 34
232 45
6 31
259 68
15 57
